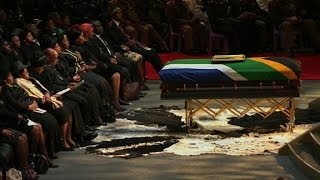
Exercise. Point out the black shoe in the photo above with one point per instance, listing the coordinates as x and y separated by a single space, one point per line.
122 102
146 88
142 94
120 109
88 128
67 149
88 136
51 164
53 156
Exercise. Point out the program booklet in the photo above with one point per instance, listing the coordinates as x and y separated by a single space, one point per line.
228 58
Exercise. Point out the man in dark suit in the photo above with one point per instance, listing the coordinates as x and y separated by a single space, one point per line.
129 64
106 60
120 41
182 20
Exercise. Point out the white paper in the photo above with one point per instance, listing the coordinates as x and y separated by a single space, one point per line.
39 110
31 123
63 91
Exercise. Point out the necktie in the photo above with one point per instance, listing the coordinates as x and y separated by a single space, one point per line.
105 44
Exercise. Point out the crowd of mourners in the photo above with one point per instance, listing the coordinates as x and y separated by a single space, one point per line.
64 64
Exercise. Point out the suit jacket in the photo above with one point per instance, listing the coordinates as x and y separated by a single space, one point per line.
51 79
116 37
101 50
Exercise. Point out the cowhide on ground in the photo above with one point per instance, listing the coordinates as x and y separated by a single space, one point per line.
146 131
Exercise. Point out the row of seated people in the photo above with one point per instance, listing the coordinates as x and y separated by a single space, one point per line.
245 24
38 62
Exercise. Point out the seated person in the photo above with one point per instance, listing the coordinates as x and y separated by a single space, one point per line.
184 21
56 107
107 64
287 19
120 41
146 32
18 101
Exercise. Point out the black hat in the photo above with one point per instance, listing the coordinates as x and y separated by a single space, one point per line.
17 67
73 35
39 62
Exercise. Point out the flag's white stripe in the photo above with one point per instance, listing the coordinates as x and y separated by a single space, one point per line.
222 68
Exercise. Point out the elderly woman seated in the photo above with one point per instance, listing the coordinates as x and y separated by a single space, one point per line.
56 107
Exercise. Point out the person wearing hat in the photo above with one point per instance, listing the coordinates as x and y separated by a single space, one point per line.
50 103
9 134
43 74
18 101
55 82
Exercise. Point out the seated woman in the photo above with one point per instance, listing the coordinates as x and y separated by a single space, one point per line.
47 102
18 101
9 134
75 65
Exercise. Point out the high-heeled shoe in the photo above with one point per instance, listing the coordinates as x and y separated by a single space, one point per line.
51 164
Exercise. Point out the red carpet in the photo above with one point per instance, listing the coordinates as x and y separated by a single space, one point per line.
310 64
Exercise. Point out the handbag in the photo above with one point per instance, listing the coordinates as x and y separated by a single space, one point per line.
39 162
133 56
131 91
12 174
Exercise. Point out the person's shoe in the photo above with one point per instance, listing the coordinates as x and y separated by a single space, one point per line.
122 102
53 156
142 94
146 88
88 128
88 136
120 109
51 164
67 149
98 121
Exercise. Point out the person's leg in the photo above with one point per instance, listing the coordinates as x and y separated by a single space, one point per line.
200 35
63 130
289 36
156 37
144 32
187 32
116 89
69 133
42 148
262 34
149 55
310 27
34 139
22 151
50 128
